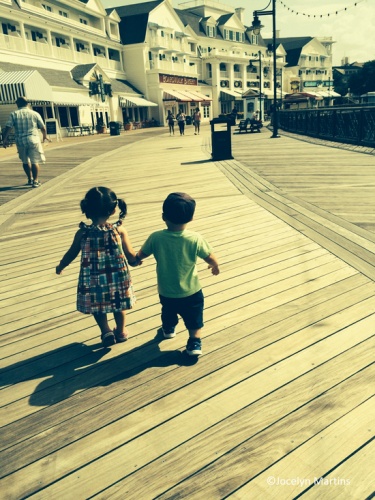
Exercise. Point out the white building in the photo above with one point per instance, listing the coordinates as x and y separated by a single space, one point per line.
308 69
67 58
81 64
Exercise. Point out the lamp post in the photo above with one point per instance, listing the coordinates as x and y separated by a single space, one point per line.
256 25
260 82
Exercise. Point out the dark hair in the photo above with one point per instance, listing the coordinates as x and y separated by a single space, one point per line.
101 202
178 208
22 102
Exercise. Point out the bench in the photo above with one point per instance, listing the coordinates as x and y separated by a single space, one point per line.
249 126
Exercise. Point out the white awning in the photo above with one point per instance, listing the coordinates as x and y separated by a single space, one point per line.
197 96
134 102
30 84
327 93
72 99
174 95
230 93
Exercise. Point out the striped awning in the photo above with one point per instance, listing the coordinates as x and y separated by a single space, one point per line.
229 95
72 99
185 96
176 95
30 84
134 102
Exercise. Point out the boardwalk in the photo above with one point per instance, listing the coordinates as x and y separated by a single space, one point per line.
280 404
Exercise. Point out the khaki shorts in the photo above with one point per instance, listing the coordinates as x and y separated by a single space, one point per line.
32 153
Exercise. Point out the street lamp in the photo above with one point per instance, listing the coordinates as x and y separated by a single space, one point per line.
256 25
260 82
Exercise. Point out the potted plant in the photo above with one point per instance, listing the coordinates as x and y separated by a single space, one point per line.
100 127
127 124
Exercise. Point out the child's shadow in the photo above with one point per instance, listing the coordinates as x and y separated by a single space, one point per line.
76 368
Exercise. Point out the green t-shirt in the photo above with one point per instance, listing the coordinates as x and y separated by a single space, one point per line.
176 254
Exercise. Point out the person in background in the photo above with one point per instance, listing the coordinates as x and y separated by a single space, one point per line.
26 124
170 121
176 250
197 121
181 117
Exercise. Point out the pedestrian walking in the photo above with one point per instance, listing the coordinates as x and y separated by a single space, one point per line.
170 120
176 250
197 121
26 124
181 118
104 283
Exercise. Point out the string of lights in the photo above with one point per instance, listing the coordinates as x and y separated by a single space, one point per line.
329 14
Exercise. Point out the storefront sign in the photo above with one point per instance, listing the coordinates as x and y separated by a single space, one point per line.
310 84
179 80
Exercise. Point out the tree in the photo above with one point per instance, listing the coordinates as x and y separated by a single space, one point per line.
364 80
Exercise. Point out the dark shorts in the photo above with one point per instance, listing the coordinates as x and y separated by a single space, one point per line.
189 308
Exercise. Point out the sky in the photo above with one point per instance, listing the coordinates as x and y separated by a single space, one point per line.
352 30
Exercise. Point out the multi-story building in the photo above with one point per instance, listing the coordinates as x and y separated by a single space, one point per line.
81 63
308 69
67 58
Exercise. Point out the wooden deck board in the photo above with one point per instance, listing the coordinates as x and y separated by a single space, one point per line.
287 342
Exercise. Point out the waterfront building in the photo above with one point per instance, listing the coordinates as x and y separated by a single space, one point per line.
67 58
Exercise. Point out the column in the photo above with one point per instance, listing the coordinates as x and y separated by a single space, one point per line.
215 88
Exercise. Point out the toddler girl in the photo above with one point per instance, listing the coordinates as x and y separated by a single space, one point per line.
104 283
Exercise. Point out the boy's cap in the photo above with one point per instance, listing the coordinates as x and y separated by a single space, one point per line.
179 208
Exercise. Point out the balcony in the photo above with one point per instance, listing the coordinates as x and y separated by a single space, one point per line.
40 48
12 42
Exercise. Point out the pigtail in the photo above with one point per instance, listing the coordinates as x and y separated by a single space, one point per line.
101 202
123 208
83 206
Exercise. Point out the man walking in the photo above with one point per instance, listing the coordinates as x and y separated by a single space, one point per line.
26 124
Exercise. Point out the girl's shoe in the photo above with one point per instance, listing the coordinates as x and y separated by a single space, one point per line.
121 337
108 339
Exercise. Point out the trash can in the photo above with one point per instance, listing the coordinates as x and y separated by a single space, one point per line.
221 139
188 120
114 128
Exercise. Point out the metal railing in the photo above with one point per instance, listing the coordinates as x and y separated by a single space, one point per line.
354 125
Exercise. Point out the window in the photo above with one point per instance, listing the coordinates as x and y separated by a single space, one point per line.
74 116
206 111
211 31
231 35
82 20
46 7
254 39
63 13
162 33
63 114
209 70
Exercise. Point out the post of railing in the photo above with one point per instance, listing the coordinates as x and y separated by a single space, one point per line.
334 123
361 125
318 123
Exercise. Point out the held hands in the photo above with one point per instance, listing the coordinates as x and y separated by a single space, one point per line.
136 262
214 269
59 269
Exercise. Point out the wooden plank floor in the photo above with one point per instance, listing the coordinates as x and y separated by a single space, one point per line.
280 404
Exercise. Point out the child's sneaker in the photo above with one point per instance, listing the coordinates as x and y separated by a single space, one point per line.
121 337
194 347
108 339
168 333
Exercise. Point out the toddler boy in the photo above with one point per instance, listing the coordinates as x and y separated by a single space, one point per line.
176 250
